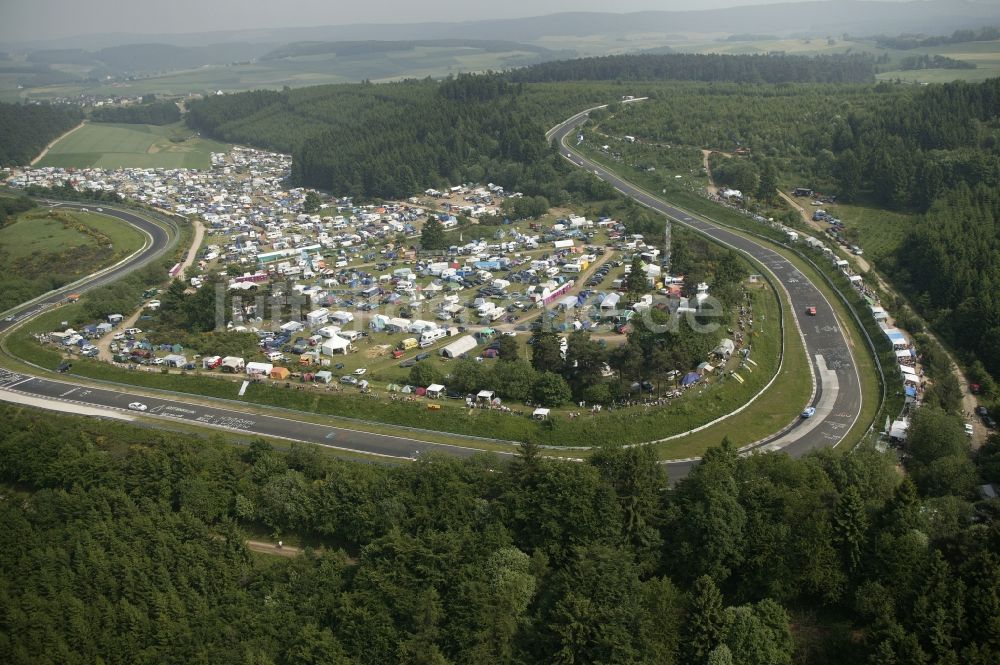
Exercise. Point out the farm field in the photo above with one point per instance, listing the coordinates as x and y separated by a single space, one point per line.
137 146
985 55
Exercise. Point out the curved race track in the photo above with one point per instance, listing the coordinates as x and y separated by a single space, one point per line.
837 398
838 387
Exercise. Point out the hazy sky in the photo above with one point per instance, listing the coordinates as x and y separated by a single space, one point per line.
26 20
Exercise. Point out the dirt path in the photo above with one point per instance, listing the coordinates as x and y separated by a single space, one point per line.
272 548
104 343
806 217
56 140
199 235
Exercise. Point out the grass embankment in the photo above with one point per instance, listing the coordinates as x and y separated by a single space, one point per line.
44 249
110 145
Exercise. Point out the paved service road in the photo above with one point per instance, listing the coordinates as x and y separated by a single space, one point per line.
838 386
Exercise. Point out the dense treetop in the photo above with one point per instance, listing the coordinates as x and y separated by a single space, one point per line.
705 67
126 545
25 129
153 113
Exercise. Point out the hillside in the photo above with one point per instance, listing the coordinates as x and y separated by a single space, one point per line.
819 19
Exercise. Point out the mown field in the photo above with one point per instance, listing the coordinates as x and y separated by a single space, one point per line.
107 145
44 249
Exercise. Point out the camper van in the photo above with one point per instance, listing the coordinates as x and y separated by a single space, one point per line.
429 337
408 343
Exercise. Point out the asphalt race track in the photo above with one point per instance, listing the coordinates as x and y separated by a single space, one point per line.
838 386
157 242
837 399
224 418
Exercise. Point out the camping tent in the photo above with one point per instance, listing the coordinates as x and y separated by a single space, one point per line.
279 373
540 414
725 348
434 390
689 379
324 376
334 345
459 346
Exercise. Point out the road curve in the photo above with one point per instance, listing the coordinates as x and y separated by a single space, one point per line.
168 407
157 242
837 397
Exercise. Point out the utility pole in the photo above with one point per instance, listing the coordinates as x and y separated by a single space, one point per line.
666 248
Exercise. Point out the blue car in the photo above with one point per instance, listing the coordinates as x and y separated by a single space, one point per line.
809 412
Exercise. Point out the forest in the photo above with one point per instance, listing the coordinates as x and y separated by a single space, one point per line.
709 67
25 129
147 113
950 262
393 140
126 545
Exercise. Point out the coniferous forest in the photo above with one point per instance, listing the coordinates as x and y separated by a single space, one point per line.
125 545
149 113
25 129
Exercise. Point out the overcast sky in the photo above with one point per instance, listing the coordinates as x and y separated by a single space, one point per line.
27 20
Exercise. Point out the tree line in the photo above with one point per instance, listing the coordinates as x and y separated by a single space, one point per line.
151 113
127 545
395 139
25 129
950 263
712 67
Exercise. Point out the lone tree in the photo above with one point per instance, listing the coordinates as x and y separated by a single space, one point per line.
508 348
432 235
637 283
312 202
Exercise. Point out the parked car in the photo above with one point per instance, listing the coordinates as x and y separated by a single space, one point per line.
360 371
408 363
968 429
422 356
348 380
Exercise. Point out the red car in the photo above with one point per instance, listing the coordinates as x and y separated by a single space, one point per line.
811 311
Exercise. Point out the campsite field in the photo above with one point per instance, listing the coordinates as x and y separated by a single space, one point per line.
138 146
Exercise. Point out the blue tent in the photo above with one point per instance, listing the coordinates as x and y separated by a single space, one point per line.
689 379
911 391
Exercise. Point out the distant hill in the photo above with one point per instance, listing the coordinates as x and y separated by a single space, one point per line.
148 58
373 47
835 17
